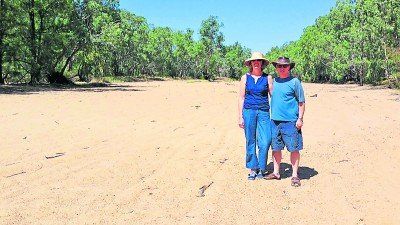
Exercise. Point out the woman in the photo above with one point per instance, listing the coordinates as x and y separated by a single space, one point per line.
253 107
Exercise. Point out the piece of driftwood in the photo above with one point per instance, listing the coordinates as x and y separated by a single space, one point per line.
15 174
9 164
344 160
203 189
58 154
177 128
223 161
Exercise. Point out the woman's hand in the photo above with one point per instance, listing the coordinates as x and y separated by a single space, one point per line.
270 84
241 122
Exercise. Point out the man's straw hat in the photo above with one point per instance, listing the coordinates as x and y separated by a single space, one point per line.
283 61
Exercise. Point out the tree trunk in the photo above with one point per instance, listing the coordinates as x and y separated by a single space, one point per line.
69 59
362 64
353 71
362 73
34 67
387 73
115 64
1 58
2 34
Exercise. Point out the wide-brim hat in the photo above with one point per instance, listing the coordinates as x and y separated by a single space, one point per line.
283 61
256 56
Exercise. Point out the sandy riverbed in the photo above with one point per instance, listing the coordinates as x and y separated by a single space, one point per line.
138 153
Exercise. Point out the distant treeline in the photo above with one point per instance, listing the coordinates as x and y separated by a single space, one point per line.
359 40
51 40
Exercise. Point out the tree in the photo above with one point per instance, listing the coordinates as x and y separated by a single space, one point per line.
234 58
352 42
212 39
3 28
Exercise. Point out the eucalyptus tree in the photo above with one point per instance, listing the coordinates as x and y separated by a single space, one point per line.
103 25
94 16
159 50
134 31
212 39
357 40
234 58
184 54
4 22
53 36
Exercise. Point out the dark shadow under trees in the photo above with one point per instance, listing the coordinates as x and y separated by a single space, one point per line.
26 89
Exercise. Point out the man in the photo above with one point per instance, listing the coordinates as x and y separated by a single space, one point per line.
287 111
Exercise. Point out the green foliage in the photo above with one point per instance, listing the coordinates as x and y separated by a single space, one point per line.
235 56
393 80
94 39
351 43
211 39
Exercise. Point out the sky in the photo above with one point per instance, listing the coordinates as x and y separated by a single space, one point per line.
258 25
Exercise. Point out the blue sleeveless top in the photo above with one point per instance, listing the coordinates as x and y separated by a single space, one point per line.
256 96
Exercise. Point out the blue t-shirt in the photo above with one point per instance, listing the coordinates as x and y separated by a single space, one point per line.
286 95
256 96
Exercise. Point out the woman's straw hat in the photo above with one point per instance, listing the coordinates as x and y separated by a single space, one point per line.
256 56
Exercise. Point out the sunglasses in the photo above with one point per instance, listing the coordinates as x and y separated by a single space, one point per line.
282 66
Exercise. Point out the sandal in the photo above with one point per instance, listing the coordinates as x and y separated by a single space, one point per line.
296 182
261 174
272 176
252 175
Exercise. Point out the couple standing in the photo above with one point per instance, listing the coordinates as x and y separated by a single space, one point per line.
281 127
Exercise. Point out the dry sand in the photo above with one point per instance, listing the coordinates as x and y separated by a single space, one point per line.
138 153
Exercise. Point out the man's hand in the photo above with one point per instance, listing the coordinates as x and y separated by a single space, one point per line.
299 123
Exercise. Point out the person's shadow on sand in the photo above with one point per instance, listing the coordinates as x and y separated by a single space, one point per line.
286 171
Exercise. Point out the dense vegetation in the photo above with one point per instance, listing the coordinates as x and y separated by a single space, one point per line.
358 41
52 40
